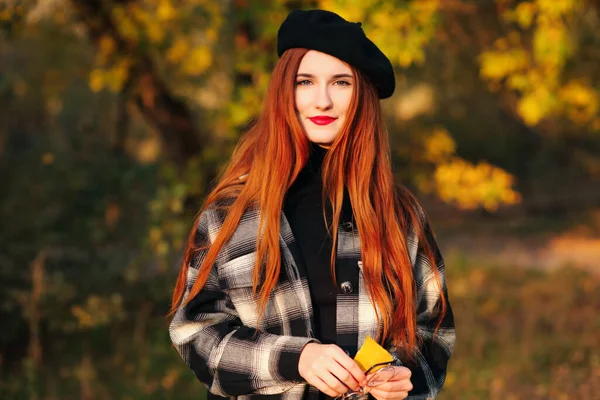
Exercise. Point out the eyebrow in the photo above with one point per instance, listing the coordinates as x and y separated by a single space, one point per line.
337 76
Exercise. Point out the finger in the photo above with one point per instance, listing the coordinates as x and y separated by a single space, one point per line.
394 386
384 395
330 380
320 384
344 375
401 373
349 365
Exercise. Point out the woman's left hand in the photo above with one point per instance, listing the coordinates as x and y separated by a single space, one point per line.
396 388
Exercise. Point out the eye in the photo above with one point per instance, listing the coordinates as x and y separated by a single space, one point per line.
303 82
343 83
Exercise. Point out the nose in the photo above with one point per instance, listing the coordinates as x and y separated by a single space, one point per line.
323 98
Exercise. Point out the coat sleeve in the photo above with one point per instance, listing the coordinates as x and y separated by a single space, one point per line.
229 358
433 354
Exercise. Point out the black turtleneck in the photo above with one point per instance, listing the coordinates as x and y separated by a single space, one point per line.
303 208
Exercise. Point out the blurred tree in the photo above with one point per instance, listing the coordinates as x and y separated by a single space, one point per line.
115 115
121 30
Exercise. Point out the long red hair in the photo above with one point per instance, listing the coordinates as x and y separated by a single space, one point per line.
359 158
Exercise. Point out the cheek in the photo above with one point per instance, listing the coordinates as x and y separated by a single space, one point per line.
343 102
301 102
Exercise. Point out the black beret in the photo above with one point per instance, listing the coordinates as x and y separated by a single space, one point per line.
329 33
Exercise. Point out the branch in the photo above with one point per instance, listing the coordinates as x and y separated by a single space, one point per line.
167 114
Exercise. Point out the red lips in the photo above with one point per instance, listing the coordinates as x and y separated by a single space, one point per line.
322 120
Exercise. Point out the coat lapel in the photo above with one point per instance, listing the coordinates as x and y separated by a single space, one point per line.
355 315
296 270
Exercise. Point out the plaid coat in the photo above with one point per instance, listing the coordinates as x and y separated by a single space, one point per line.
216 333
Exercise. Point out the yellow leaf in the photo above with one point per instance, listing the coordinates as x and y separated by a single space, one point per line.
165 11
106 47
530 109
156 32
518 82
127 28
198 61
556 8
497 64
178 50
439 146
96 80
116 76
581 101
525 13
470 186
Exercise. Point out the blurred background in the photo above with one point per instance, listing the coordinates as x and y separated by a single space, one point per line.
116 115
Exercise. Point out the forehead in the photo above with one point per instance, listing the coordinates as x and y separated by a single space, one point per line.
317 63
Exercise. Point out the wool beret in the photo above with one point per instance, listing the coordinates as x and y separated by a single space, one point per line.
329 33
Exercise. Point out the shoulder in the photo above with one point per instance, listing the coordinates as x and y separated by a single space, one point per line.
409 205
226 206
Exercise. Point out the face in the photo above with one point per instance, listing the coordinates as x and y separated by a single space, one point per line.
323 93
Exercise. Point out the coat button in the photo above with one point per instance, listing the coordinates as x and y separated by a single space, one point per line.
346 287
347 226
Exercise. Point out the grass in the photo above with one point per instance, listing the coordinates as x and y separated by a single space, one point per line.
523 333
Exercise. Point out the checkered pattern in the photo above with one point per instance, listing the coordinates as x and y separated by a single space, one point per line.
217 334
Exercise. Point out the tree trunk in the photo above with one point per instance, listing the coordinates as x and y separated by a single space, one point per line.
162 110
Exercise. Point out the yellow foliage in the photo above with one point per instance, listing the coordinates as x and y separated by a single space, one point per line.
499 64
534 106
96 80
165 11
156 31
198 61
557 8
126 27
514 38
551 45
439 146
581 101
350 10
112 78
530 109
535 73
106 47
98 311
118 74
178 50
400 29
524 14
471 186
518 82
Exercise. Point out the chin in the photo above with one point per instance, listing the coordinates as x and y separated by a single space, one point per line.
325 140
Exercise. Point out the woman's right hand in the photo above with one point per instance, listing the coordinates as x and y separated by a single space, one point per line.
328 368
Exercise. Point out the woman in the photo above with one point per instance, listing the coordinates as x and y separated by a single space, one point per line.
263 305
